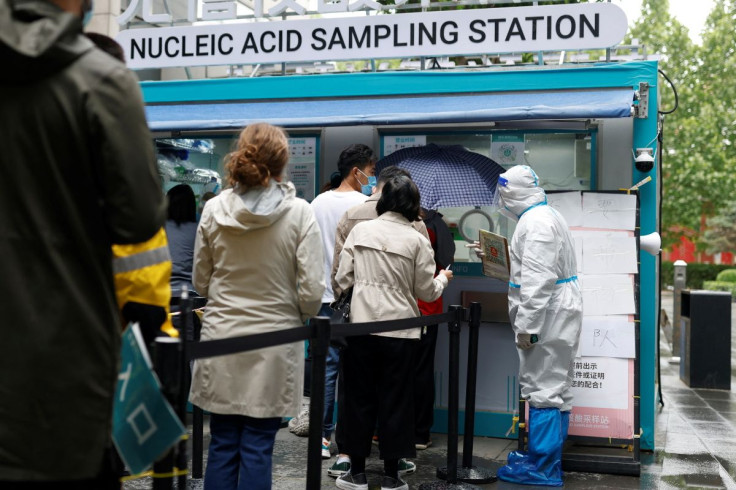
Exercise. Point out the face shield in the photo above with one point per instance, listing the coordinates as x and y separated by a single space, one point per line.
496 201
517 190
501 188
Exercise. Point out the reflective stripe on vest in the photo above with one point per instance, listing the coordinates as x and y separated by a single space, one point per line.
140 260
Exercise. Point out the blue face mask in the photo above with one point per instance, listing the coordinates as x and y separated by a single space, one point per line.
88 14
367 189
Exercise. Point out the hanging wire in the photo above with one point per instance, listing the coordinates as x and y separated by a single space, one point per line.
660 140
674 90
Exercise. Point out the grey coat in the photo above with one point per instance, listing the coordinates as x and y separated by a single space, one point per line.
78 174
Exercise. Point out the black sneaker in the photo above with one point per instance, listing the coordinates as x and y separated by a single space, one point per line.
348 481
389 483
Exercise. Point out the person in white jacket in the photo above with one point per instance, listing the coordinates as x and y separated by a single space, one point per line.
258 260
389 264
546 313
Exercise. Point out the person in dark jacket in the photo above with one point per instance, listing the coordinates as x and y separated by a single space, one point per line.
80 175
181 230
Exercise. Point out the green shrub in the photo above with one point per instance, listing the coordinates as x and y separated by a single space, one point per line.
729 287
728 275
696 274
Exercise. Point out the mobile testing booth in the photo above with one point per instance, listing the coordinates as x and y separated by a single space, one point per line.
578 125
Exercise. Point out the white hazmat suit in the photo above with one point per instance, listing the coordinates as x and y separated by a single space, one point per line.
546 313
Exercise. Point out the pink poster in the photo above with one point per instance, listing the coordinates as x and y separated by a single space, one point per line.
604 398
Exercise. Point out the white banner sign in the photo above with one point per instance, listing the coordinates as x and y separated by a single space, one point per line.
497 30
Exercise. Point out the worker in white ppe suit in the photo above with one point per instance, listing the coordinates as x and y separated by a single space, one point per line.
546 313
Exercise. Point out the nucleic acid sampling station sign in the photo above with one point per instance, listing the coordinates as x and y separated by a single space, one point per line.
490 30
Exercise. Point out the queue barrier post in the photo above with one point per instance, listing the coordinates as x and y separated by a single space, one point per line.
469 473
185 305
450 472
319 344
197 421
167 354
522 423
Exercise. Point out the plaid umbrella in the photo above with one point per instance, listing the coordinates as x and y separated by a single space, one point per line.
447 176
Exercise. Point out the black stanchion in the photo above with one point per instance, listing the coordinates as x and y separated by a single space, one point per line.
167 354
522 423
184 381
319 343
197 442
450 471
197 413
469 473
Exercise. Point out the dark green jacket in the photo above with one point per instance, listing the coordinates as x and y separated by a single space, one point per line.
78 174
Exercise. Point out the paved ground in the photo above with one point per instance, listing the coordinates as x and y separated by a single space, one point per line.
695 445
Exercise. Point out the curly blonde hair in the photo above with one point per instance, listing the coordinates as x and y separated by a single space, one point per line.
262 153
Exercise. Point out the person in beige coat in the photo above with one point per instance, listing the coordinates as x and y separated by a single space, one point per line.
389 264
258 260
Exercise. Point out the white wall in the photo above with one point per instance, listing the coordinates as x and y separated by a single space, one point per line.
103 21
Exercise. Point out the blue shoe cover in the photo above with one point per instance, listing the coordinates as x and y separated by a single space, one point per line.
564 428
524 473
516 456
565 424
543 465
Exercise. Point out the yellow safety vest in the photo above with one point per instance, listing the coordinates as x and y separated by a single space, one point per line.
143 273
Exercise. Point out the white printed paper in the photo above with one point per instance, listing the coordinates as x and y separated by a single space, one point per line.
508 153
569 205
609 255
579 237
601 382
608 336
609 294
609 211
302 168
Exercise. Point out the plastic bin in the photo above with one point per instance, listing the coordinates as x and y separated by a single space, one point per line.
705 339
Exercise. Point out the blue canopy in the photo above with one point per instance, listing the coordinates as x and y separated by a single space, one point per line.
577 104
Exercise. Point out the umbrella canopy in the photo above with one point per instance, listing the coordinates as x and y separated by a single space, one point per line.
447 176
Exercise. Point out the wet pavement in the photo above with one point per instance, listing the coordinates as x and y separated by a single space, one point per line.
695 440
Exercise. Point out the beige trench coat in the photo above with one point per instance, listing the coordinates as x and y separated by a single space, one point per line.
390 265
260 274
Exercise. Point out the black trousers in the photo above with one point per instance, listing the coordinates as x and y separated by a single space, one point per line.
424 385
378 388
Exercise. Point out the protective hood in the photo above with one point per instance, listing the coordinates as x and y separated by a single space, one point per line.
37 39
254 209
519 190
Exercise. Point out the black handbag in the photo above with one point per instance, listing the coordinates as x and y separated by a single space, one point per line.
341 314
341 307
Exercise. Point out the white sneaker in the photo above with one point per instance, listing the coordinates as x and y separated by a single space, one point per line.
299 425
326 449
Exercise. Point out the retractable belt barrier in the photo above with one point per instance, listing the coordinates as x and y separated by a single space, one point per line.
233 345
319 332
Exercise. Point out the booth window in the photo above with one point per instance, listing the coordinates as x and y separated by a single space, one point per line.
564 160
197 162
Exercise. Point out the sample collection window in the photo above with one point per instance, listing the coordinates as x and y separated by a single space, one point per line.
200 163
563 161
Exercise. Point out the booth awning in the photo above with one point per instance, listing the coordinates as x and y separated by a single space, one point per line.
438 109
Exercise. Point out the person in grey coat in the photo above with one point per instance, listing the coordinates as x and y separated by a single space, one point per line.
78 175
258 260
